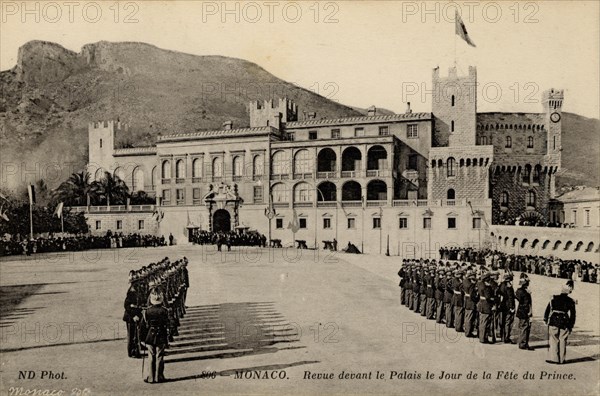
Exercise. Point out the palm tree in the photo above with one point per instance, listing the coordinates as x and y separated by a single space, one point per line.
111 189
74 191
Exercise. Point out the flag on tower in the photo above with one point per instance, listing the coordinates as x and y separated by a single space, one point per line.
461 30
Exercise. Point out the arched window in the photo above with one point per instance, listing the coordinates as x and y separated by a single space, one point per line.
180 169
119 173
303 192
279 193
508 142
303 163
536 174
217 167
257 165
197 168
451 165
450 194
165 171
154 177
137 180
531 198
526 174
530 142
238 166
504 199
280 163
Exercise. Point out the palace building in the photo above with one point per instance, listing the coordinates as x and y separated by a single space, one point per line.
403 182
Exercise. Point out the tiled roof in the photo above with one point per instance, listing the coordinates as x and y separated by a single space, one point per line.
216 134
136 151
358 120
583 194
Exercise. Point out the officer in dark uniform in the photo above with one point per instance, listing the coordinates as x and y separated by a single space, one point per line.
439 295
416 287
506 308
423 291
132 316
401 284
408 286
448 294
560 317
157 320
458 301
524 314
486 308
430 293
471 298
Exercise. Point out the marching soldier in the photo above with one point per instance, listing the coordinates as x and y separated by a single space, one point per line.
457 301
439 295
416 287
486 309
560 317
506 308
430 294
157 320
524 314
132 316
471 298
495 322
423 291
448 294
408 286
401 284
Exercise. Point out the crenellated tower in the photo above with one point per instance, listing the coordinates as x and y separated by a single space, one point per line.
274 113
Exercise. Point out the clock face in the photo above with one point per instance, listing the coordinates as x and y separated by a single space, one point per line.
555 117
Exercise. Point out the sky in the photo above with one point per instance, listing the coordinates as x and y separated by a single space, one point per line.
360 53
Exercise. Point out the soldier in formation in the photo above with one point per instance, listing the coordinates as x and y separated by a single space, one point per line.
469 298
163 284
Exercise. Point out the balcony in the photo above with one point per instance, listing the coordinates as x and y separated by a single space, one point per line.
301 176
371 204
326 204
378 172
179 180
327 175
196 180
450 202
216 178
351 204
257 177
351 174
281 204
165 181
280 177
237 178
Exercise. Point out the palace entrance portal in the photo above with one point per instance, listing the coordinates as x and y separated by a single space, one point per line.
221 221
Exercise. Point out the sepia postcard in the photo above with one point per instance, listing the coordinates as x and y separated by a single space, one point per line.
299 197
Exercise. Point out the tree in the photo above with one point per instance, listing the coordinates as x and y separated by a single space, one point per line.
111 190
142 198
74 191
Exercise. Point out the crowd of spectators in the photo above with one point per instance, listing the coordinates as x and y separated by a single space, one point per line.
577 270
62 243
229 238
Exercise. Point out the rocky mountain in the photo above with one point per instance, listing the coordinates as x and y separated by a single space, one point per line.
52 93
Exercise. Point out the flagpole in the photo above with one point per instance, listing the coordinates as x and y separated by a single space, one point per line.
30 220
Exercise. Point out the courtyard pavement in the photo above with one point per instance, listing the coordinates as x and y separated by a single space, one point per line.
266 321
